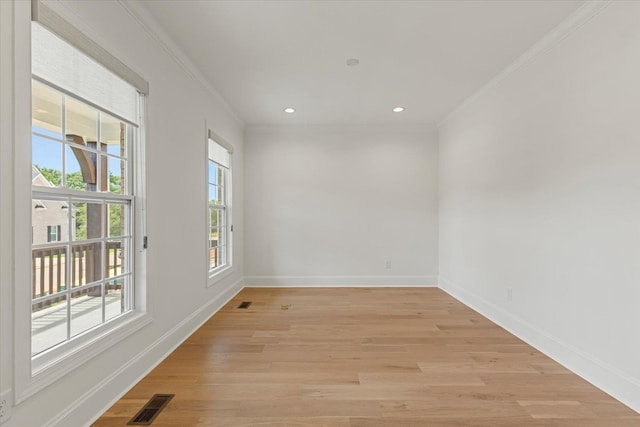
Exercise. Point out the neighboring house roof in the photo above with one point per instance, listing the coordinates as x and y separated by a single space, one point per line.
38 178
36 175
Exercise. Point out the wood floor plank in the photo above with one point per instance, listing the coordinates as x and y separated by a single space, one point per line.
275 422
556 409
363 357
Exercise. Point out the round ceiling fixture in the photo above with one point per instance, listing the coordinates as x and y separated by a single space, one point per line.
352 62
289 110
398 109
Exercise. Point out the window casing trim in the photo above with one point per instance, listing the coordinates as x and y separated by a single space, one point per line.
215 275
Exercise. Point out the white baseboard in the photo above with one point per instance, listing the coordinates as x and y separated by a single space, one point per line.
340 281
606 377
88 408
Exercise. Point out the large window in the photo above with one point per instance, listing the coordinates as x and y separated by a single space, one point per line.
218 190
84 137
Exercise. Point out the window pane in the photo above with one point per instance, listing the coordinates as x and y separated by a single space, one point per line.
49 220
80 178
113 135
222 233
218 237
116 262
116 175
214 238
213 173
46 113
222 197
46 156
49 271
86 263
117 220
48 324
213 194
221 176
222 221
86 309
222 253
215 217
213 258
88 220
82 120
115 301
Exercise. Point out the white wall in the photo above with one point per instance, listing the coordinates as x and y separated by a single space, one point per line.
539 192
178 106
329 206
6 194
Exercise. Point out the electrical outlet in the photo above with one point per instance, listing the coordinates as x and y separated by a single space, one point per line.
509 294
5 406
387 265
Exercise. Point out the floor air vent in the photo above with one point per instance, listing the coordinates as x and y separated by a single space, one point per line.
150 411
244 304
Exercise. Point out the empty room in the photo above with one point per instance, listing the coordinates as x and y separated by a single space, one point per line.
319 213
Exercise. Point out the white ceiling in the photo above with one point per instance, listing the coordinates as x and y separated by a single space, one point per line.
427 56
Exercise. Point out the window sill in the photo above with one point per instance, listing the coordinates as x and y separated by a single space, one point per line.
50 366
218 275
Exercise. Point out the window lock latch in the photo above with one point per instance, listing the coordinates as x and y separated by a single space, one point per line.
144 242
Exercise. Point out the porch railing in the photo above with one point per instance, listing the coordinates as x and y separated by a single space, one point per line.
49 267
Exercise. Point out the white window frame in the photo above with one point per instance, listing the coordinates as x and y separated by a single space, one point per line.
33 374
218 273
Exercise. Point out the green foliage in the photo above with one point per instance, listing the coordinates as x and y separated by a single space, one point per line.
75 181
115 184
52 175
80 212
115 219
213 216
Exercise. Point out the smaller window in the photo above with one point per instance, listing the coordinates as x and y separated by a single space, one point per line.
53 233
218 211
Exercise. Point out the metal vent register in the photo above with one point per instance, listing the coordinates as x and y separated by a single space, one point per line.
150 411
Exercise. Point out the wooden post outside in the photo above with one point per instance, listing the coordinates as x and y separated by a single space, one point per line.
95 213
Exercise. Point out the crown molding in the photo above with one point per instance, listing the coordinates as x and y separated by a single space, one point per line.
568 26
156 31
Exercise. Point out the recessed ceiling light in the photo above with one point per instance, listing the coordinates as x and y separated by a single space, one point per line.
352 62
290 110
398 109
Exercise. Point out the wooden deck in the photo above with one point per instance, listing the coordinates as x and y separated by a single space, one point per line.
363 357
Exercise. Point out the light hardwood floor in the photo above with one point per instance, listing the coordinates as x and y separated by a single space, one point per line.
358 357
